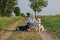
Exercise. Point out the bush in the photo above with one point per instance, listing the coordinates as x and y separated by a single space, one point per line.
28 14
17 11
23 15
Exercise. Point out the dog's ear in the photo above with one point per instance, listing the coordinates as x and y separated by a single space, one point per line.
28 24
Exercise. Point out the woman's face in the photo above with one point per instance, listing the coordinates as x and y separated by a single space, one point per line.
33 16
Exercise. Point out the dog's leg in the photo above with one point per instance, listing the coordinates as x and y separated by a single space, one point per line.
36 28
39 27
42 28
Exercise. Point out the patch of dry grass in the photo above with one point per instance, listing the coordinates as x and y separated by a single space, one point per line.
25 36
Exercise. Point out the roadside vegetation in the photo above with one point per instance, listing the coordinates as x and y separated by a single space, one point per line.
52 24
5 21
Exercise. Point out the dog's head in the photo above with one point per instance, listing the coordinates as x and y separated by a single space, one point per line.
39 20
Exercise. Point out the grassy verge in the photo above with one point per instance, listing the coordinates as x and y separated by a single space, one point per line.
18 35
5 21
52 24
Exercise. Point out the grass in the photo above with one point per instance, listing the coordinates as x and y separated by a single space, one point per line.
5 21
52 24
18 35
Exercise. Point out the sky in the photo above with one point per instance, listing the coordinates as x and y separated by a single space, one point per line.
52 8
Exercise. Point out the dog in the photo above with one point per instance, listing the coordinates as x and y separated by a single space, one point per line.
22 28
39 26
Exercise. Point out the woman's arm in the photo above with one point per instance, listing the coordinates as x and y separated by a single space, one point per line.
28 21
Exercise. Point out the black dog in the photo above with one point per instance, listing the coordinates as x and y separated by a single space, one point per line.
22 28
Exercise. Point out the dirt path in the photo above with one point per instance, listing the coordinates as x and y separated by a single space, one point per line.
25 36
32 36
45 36
9 33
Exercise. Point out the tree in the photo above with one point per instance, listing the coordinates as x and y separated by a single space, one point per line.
28 14
17 11
37 5
7 6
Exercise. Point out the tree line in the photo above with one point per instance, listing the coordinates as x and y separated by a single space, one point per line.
9 6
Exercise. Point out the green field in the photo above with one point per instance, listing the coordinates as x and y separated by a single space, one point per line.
52 24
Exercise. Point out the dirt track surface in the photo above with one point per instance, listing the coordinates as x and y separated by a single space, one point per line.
45 36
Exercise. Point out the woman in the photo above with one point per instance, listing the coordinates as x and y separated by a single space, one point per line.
31 21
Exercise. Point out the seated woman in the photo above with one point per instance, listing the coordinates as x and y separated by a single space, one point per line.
31 21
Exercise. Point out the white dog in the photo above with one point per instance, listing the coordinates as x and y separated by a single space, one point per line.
39 26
